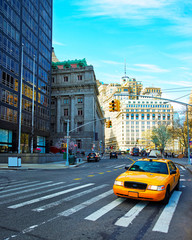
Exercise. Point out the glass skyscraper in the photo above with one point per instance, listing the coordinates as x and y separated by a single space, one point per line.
25 44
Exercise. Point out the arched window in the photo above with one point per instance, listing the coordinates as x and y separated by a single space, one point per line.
153 116
137 116
148 116
168 117
142 116
159 117
127 116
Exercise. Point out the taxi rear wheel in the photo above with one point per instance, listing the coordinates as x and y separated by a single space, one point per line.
177 186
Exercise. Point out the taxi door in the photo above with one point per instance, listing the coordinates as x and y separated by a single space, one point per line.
173 175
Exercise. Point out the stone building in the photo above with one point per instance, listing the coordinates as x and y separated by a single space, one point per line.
136 117
75 99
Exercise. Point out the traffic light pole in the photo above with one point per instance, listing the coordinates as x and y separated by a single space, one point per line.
69 131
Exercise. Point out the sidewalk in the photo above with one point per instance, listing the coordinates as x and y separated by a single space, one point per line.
43 166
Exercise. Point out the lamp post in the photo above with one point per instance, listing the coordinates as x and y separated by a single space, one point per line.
32 123
20 102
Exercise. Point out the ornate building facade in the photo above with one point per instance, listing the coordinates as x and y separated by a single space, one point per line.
75 100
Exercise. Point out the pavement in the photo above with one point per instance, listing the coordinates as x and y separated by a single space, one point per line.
61 165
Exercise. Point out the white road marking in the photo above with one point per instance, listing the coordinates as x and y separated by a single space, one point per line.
112 166
96 215
16 193
120 166
182 168
53 204
11 183
183 180
36 193
33 189
85 204
162 224
49 196
131 215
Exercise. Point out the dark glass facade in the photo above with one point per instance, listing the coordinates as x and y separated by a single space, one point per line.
27 23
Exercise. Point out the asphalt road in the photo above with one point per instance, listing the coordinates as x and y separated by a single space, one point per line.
78 204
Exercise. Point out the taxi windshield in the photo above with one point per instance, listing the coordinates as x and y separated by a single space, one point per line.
149 166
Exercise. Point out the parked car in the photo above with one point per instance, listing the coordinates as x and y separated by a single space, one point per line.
113 155
148 179
93 157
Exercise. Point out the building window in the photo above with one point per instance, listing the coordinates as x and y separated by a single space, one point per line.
142 116
168 117
65 78
53 79
79 143
65 112
153 116
148 116
79 77
80 129
80 112
137 116
132 116
80 100
66 101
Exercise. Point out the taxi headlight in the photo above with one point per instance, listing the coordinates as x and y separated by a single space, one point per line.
156 188
118 183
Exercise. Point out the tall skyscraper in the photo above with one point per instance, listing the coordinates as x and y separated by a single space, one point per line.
25 61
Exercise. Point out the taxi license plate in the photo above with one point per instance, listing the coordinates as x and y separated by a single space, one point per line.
133 194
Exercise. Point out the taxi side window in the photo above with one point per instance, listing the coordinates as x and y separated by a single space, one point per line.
170 166
173 166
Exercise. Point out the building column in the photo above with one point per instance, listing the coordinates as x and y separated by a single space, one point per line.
73 109
58 114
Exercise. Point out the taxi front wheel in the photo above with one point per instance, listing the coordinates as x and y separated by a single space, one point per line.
167 196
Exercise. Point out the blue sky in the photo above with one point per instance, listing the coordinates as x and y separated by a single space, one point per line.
154 36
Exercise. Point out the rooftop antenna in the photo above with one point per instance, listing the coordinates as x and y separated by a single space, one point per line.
125 68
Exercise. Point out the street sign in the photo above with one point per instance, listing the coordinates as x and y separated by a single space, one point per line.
67 137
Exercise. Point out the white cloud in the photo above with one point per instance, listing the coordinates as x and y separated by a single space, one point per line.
148 68
58 43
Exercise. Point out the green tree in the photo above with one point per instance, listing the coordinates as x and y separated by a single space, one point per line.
160 136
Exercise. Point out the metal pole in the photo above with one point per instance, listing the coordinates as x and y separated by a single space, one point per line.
32 124
188 146
20 102
67 160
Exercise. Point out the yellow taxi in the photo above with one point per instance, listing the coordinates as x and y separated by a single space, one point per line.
148 179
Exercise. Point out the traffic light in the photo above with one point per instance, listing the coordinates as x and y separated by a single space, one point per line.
109 124
114 106
63 145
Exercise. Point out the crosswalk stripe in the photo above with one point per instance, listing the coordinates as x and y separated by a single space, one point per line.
49 196
85 204
11 183
182 168
33 189
162 224
120 166
36 193
19 184
131 215
18 192
96 215
53 204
